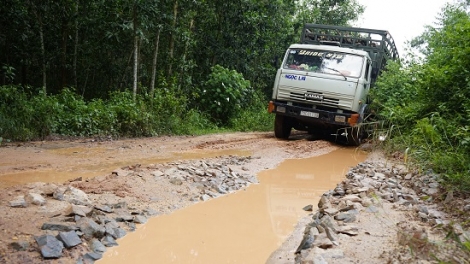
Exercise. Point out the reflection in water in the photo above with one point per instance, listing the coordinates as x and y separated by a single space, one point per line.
244 227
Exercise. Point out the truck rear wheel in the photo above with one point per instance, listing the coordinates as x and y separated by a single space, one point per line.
282 126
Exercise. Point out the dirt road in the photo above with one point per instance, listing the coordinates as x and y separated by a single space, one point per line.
125 179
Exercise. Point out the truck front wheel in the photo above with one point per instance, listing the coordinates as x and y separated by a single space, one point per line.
282 126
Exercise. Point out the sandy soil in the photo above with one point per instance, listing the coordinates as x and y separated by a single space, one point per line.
96 159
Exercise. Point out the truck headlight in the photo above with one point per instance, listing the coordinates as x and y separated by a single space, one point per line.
280 109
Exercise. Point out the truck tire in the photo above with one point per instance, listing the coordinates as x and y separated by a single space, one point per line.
282 127
355 135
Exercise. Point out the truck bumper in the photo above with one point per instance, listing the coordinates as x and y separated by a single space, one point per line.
314 116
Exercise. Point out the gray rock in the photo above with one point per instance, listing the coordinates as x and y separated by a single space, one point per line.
433 185
36 199
157 173
379 176
90 228
346 217
59 193
70 239
348 230
430 191
20 245
308 208
104 208
50 246
353 198
109 241
76 196
307 240
119 232
339 191
221 189
124 218
372 209
176 181
205 197
19 202
324 202
331 211
466 207
80 210
140 219
110 231
436 222
328 221
423 216
251 178
131 226
59 226
91 257
411 198
331 234
422 209
408 176
322 241
97 246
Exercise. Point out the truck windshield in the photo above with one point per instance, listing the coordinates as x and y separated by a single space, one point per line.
328 62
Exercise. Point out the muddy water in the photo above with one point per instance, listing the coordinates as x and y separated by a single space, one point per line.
84 166
244 227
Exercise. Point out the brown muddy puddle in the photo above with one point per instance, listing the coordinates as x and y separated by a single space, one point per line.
243 227
95 162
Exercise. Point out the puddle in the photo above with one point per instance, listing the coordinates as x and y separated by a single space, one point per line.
244 227
100 162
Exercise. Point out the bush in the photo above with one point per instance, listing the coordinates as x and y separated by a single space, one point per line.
224 94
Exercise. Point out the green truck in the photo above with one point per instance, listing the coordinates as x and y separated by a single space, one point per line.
323 83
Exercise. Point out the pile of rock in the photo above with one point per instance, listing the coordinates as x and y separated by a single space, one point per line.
96 226
211 177
367 188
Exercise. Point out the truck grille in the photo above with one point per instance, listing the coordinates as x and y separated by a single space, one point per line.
294 94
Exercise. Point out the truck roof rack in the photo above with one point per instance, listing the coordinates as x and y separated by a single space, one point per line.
378 43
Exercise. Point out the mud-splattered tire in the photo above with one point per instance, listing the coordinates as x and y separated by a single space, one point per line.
282 127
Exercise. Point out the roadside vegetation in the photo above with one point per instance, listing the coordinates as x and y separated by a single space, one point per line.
146 68
425 100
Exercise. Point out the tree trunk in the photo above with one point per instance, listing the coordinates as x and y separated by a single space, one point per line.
43 55
63 54
172 38
154 64
75 51
136 53
183 59
41 40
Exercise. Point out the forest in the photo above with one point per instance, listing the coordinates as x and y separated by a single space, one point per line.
148 68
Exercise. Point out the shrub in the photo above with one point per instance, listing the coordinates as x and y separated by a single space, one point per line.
224 94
